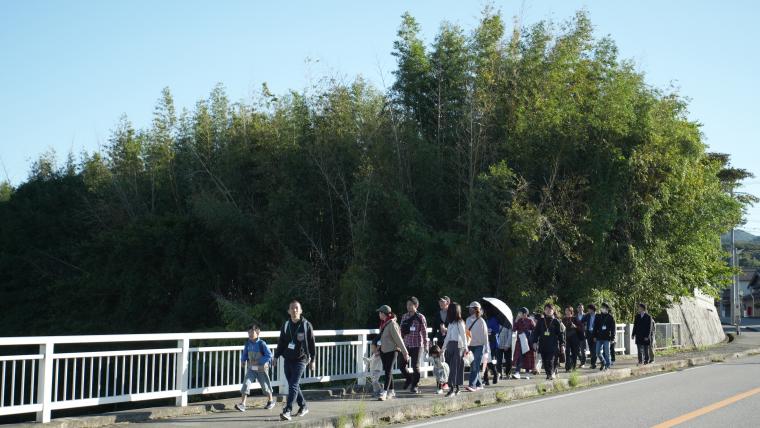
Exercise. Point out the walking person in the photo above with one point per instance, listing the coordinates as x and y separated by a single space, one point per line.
297 347
414 331
504 352
573 338
494 327
441 321
652 343
455 347
389 343
589 322
604 333
548 340
583 343
255 358
477 331
642 333
524 357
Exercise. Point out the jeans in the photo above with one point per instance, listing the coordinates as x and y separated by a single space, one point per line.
603 346
293 372
477 353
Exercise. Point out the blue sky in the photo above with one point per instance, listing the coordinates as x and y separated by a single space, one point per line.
68 70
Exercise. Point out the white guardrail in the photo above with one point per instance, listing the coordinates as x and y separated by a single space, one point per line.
105 369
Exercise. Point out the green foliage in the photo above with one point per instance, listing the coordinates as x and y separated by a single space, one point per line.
530 164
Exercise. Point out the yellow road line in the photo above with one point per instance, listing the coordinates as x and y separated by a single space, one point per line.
707 409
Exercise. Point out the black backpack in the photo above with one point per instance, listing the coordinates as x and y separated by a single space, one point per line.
406 325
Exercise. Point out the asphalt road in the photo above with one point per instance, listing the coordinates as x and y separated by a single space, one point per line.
716 395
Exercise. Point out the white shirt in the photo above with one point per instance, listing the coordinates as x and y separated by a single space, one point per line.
478 330
456 333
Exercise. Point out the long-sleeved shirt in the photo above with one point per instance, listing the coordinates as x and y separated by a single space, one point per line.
256 348
417 335
296 341
478 330
456 333
493 332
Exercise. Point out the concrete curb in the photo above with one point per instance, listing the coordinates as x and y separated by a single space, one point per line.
403 412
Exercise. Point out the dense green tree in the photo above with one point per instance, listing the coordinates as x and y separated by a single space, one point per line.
529 163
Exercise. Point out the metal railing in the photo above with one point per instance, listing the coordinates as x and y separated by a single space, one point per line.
81 371
144 368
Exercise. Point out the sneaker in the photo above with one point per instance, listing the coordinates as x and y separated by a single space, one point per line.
270 405
285 416
392 393
552 377
439 391
383 396
516 376
486 383
302 411
593 366
445 386
240 407
415 390
450 393
479 388
469 389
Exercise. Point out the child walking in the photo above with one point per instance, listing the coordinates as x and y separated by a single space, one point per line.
257 357
440 368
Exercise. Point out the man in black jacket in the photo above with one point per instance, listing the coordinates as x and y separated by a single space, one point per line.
589 321
440 325
548 339
604 333
297 347
642 330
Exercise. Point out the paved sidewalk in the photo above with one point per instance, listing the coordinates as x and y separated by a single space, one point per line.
361 410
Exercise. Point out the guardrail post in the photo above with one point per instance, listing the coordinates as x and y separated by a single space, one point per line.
182 371
45 382
361 351
281 381
630 343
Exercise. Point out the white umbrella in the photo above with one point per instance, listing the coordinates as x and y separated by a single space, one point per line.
501 307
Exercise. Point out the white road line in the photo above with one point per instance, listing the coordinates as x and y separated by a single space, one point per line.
554 397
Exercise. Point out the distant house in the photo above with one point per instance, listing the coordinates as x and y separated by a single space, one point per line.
749 289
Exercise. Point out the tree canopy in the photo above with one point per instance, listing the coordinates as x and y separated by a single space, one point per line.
526 163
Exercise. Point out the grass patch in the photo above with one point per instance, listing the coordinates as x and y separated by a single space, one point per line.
502 396
438 409
342 421
360 415
541 388
574 379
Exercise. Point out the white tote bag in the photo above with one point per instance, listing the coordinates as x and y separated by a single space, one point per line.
524 348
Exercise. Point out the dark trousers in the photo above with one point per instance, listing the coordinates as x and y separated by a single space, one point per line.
547 359
504 361
592 350
643 353
583 346
293 372
572 351
414 359
387 359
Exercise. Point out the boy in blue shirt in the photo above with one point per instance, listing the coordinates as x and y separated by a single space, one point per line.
257 356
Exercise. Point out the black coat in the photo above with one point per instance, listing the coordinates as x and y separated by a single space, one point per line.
642 328
552 341
437 327
604 327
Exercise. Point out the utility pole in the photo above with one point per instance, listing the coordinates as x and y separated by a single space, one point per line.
735 312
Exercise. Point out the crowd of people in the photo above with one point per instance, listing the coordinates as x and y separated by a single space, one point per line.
493 347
